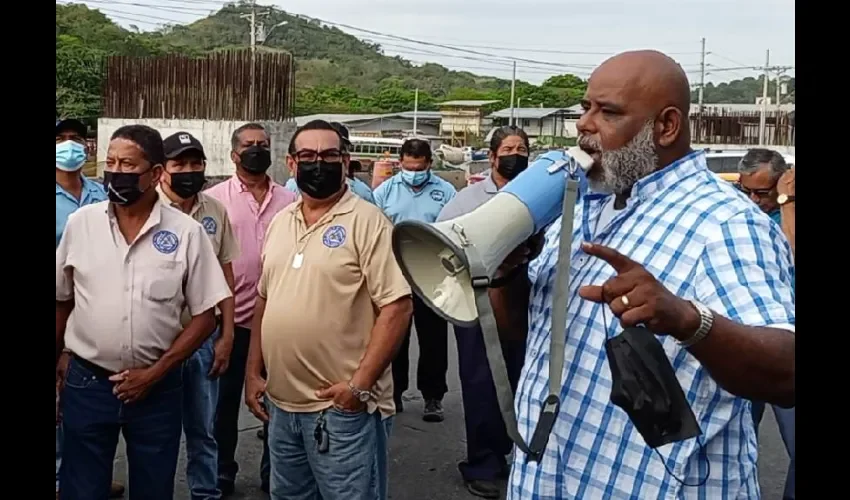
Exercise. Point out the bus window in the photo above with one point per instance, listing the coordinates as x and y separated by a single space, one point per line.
730 165
714 164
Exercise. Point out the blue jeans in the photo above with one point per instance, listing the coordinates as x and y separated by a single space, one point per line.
200 397
786 420
58 452
354 467
93 419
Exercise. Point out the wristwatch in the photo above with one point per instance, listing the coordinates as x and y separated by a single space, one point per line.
706 320
360 394
784 198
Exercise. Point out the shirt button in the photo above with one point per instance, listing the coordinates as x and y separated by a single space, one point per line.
124 319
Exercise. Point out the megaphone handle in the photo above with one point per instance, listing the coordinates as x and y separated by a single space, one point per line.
557 337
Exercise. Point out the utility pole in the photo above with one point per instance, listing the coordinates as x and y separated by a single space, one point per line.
763 115
701 91
415 112
513 93
252 18
701 74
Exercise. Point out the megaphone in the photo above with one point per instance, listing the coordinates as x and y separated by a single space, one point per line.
435 258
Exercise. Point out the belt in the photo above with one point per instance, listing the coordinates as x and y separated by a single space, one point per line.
96 370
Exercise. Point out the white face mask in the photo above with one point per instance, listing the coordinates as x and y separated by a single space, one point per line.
70 156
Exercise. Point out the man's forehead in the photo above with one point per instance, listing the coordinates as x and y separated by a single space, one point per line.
317 140
251 136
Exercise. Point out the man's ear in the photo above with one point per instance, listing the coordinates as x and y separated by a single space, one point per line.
668 126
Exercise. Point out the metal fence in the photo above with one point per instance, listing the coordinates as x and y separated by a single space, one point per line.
723 127
214 87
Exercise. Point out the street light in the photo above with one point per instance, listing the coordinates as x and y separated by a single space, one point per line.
263 35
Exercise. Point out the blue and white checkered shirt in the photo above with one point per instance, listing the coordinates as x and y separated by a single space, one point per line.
704 241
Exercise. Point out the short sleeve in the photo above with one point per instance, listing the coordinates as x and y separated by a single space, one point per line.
451 210
379 195
384 279
746 271
64 270
229 250
205 283
451 192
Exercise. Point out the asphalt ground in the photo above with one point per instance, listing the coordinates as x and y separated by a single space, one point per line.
424 456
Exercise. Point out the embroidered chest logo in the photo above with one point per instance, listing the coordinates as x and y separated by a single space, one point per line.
334 236
210 225
165 241
437 195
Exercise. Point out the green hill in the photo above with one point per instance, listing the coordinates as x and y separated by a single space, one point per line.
335 72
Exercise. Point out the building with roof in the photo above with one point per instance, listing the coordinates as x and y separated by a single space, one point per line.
536 122
394 125
463 121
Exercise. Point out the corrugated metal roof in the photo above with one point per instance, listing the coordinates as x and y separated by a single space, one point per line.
741 108
348 118
469 103
527 113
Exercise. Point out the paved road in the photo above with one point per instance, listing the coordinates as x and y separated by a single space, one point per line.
424 456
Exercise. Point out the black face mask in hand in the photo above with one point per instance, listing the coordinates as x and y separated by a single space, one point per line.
646 387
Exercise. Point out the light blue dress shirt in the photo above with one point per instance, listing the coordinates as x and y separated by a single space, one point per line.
401 202
66 204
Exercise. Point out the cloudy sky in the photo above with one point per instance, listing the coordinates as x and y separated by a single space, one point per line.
547 37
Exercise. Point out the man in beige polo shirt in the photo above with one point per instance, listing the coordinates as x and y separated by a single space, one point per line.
180 187
332 310
125 270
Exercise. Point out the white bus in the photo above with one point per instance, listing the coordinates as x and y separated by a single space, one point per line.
374 148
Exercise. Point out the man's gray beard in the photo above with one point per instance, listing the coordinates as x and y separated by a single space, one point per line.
623 167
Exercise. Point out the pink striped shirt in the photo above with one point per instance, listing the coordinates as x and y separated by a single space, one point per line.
250 221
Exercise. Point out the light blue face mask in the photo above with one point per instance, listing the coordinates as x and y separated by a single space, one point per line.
70 156
415 178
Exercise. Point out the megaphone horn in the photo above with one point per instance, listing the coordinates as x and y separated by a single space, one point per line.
435 258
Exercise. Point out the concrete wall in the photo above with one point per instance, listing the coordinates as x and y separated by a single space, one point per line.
214 135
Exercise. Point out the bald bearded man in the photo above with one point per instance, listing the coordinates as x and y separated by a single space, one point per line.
661 242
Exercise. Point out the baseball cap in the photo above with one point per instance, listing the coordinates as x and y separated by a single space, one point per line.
180 142
71 124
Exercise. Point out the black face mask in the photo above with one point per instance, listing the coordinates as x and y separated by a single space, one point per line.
187 184
646 387
256 159
319 179
510 166
122 188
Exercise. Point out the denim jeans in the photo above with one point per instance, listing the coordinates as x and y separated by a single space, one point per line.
93 419
200 397
786 421
58 452
353 468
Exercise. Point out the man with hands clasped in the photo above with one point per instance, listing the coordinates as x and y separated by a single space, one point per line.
332 309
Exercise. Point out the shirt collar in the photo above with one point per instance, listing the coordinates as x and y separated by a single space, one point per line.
242 188
89 186
343 205
490 186
661 180
169 202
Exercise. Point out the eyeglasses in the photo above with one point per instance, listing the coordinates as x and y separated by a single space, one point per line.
760 193
309 155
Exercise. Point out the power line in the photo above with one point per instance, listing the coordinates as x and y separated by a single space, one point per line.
179 10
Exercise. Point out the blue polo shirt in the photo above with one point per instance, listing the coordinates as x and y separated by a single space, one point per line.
66 204
400 202
357 187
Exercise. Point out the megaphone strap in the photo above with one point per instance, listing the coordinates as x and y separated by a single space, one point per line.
493 346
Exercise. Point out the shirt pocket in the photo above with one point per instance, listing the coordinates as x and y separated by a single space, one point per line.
163 282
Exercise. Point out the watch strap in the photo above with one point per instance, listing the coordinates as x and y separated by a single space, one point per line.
706 318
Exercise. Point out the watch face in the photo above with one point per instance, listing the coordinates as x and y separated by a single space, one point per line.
363 397
782 198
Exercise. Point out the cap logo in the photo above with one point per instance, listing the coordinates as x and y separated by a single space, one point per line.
184 139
